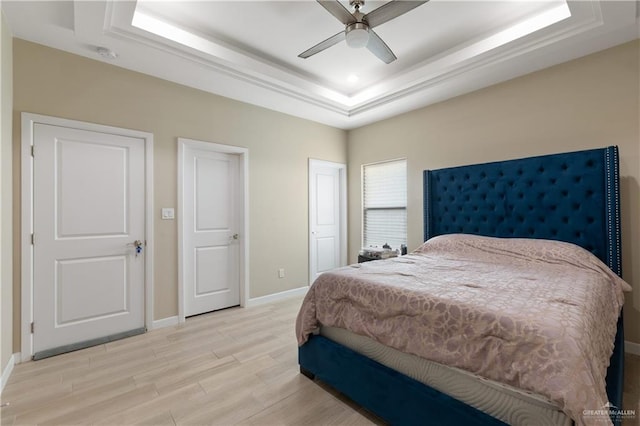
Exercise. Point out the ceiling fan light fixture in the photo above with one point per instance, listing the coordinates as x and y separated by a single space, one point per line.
357 35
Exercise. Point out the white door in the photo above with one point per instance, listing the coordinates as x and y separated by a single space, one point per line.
327 239
211 249
89 198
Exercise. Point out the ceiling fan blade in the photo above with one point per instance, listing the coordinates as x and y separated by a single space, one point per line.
391 10
334 39
380 48
336 8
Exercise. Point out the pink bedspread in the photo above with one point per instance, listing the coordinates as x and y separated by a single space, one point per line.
535 314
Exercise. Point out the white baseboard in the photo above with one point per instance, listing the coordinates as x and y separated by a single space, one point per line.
300 291
631 348
165 322
7 371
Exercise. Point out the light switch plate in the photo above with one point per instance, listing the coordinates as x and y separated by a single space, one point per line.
168 213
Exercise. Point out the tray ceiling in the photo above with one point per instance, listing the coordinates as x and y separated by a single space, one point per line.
248 50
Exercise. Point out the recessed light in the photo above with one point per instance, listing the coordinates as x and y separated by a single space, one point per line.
353 78
106 53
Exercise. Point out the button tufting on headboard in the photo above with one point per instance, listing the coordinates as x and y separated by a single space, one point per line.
570 197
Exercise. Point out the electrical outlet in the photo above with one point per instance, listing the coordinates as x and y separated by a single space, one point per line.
281 273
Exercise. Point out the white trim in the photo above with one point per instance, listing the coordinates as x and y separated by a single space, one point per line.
28 122
149 207
342 168
243 153
631 347
26 190
6 373
166 322
283 295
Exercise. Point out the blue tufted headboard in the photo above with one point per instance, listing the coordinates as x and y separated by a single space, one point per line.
571 197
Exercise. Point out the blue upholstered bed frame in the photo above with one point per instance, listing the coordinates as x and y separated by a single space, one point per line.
571 197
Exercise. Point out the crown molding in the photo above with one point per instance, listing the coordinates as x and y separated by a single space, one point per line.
225 70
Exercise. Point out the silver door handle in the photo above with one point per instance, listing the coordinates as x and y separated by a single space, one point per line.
235 236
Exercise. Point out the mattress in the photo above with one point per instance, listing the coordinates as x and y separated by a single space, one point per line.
538 315
507 403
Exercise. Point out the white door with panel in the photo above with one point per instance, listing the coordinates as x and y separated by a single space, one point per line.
211 249
88 217
327 239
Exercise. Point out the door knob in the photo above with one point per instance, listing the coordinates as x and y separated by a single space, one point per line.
235 236
138 246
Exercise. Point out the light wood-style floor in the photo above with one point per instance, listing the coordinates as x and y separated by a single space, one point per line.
236 366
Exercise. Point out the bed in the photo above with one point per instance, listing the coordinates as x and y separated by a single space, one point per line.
569 198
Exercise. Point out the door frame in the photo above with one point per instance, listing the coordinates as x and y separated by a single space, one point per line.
243 204
342 168
29 120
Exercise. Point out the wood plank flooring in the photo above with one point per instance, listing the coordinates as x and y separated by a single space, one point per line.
236 366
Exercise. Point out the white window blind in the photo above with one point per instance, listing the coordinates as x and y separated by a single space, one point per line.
384 194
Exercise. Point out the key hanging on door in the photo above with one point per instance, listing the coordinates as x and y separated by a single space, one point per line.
138 245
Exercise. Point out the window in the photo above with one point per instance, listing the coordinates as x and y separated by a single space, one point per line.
384 199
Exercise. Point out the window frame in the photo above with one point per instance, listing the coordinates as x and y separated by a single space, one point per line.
363 209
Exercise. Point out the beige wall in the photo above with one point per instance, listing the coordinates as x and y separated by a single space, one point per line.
586 103
6 249
51 82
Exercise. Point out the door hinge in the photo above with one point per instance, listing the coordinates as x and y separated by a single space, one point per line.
32 239
32 328
32 150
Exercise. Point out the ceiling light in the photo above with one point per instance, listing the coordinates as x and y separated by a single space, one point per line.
106 53
353 78
357 35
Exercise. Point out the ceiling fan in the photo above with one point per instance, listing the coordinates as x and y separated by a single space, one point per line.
358 30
